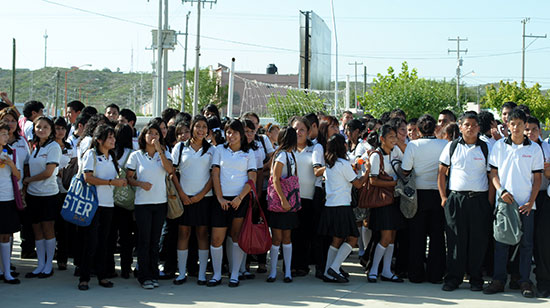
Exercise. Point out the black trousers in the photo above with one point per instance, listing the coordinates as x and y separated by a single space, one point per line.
94 244
429 221
168 245
319 243
542 244
401 253
468 217
149 220
302 236
122 232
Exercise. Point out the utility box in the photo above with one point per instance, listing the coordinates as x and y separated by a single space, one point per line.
169 39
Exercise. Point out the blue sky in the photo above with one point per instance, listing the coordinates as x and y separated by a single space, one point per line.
377 33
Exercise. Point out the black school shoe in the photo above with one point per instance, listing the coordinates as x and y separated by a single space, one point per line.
393 278
12 281
213 282
338 276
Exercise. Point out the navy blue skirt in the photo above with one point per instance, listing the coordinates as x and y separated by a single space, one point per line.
338 221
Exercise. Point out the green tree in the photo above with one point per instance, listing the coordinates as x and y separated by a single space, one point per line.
537 102
409 92
210 92
294 103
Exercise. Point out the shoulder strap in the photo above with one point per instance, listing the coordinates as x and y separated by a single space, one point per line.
263 144
485 150
126 160
452 150
295 163
181 151
381 159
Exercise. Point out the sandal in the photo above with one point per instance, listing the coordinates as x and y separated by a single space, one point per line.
394 278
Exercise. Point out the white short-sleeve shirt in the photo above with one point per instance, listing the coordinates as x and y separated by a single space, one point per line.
283 158
123 160
82 147
375 162
28 129
468 167
73 140
234 168
306 177
194 167
105 170
6 188
422 155
149 169
338 183
45 155
21 147
546 155
516 164
318 159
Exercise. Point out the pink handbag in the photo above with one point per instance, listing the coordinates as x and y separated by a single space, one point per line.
291 189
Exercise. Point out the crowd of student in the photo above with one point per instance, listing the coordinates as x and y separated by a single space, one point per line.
460 168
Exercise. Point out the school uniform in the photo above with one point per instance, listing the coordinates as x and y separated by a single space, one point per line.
388 217
467 212
542 229
422 155
42 195
320 242
304 234
284 220
82 147
234 168
28 129
9 218
150 212
95 236
194 167
338 219
73 139
515 165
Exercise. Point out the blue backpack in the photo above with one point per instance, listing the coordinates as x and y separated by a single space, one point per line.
81 201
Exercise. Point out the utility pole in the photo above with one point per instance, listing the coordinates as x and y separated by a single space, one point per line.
165 64
364 79
45 47
158 67
458 63
184 81
355 86
13 74
524 22
57 75
336 60
198 51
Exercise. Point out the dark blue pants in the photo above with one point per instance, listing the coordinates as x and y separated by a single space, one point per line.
149 220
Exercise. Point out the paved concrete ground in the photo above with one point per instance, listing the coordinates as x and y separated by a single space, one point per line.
61 291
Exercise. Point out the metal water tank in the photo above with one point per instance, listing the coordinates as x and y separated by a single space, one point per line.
271 69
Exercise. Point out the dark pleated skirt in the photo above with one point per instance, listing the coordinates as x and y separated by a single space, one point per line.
338 221
283 220
197 214
9 218
387 217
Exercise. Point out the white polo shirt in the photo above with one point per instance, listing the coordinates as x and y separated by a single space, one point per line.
422 155
375 162
21 147
338 183
468 167
306 177
82 147
49 154
516 164
490 141
73 140
362 148
122 162
6 188
283 158
149 169
28 129
268 146
105 170
194 167
546 155
318 160
234 168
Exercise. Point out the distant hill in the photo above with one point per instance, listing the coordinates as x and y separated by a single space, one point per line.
102 87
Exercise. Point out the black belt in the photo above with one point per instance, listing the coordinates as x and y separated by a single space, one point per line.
470 194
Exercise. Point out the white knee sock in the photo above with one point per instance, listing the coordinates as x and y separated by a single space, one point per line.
273 258
386 270
366 235
203 261
287 254
50 252
343 253
332 251
6 257
217 256
360 243
182 263
229 251
238 254
378 254
242 269
40 256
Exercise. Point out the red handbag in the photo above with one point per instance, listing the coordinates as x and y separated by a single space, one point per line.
254 238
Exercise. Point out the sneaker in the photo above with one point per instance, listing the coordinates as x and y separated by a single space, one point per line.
496 286
527 290
148 285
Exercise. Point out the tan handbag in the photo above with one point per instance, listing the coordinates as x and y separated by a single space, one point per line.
375 196
175 206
